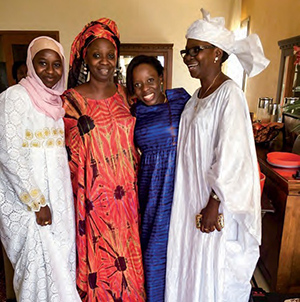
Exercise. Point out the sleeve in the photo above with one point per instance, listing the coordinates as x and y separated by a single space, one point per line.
14 153
234 172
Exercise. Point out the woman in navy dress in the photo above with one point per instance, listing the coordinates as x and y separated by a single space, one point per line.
157 121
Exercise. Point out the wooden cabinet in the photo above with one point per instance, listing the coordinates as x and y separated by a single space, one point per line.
289 73
280 250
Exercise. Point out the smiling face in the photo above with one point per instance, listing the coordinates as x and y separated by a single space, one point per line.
200 64
48 66
101 59
146 83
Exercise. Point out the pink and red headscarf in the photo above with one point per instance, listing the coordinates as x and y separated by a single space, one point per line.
44 99
102 28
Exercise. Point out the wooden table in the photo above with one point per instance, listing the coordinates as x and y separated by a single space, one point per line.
280 250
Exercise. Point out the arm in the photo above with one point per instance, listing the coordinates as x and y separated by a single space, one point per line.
234 172
15 155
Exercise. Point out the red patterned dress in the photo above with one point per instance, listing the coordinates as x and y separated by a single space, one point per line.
103 163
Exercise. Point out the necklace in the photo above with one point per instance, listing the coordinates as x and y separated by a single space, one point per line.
213 82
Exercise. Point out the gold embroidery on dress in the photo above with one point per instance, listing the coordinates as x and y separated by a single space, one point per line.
35 143
50 142
44 138
54 131
28 134
59 142
35 193
25 197
46 132
39 134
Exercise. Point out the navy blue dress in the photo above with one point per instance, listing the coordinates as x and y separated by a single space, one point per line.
156 133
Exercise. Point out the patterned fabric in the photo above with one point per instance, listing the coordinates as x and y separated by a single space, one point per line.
34 171
156 136
102 28
103 161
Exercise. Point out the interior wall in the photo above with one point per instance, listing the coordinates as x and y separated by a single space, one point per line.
273 21
138 21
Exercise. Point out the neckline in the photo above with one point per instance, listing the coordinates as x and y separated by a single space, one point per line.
197 91
98 100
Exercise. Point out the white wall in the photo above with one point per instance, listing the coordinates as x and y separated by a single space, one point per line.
156 21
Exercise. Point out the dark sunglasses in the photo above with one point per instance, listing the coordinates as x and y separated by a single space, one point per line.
193 52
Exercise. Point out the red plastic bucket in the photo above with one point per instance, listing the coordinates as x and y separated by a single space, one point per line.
262 181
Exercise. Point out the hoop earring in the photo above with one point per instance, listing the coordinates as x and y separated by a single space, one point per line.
216 60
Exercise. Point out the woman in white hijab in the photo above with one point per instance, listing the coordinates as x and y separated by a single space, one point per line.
216 173
37 225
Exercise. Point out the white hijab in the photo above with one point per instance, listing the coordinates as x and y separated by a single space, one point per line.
249 51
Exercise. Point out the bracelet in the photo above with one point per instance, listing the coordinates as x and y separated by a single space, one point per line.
214 196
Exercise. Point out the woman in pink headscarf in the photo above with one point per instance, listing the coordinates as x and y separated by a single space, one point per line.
36 204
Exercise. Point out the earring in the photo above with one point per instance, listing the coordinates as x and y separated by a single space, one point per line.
117 71
85 69
216 60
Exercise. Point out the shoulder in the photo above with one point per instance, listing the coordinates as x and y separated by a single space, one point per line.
177 93
230 87
16 94
231 96
68 93
71 96
15 91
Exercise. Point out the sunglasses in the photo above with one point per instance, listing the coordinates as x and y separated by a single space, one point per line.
193 52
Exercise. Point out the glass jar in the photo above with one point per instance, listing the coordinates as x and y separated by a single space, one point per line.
263 114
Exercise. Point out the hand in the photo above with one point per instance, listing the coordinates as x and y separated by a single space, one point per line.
43 216
210 216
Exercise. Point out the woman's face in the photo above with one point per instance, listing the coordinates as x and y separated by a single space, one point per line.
146 83
200 64
101 59
48 66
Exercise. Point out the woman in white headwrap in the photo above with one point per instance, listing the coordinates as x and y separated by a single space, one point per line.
37 224
217 172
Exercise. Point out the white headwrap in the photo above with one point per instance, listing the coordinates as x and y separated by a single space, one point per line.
249 51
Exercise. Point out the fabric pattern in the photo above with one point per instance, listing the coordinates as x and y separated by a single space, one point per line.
34 172
216 151
156 133
103 163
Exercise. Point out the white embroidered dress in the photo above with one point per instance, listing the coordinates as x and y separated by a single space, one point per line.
216 151
34 171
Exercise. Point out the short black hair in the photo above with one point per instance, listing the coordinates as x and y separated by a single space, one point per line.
136 61
15 68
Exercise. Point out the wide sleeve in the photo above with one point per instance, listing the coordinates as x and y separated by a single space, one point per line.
15 154
233 174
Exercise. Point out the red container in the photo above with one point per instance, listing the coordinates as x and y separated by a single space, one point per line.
262 181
